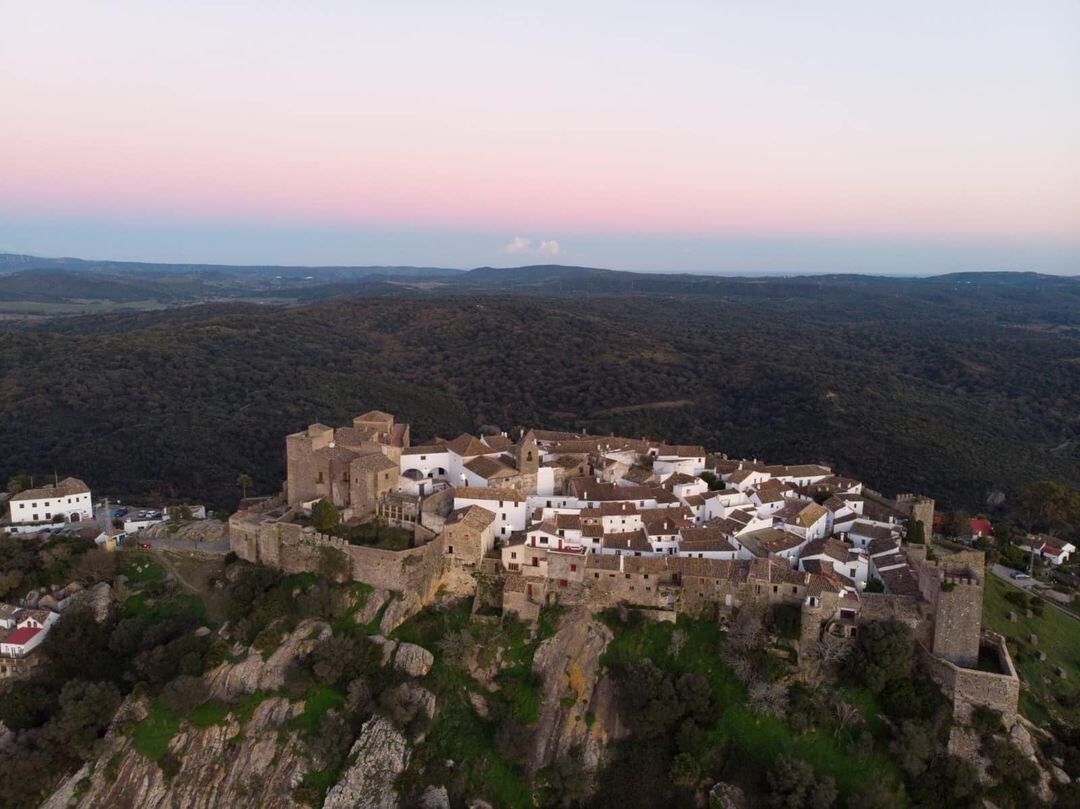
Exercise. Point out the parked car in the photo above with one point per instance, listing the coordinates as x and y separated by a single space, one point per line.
145 546
1020 575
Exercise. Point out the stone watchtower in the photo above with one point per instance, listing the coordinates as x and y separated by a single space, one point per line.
919 508
958 616
527 454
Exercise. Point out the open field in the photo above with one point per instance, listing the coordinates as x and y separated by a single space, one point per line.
1058 636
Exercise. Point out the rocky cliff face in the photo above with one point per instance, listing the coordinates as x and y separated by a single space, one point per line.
568 664
380 755
219 765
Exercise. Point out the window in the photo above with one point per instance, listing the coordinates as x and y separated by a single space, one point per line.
776 588
513 554
562 582
646 575
627 575
851 573
596 575
573 569
794 590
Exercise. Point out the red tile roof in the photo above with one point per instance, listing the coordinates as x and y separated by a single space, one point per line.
21 636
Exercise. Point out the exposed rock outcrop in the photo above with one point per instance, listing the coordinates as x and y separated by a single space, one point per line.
398 611
231 680
98 598
568 664
416 661
217 766
375 600
380 755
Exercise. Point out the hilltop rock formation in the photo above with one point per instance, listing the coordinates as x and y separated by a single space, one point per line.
217 766
568 663
380 755
231 680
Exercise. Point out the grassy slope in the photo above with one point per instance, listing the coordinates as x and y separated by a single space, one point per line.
1058 636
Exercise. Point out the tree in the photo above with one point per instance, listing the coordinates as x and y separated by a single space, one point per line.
685 770
19 483
243 480
85 711
324 516
955 524
874 795
883 653
793 785
96 565
916 532
1046 505
184 694
341 659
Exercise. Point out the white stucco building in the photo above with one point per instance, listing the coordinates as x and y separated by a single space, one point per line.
67 501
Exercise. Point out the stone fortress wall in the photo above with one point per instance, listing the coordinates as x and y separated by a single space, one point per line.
300 549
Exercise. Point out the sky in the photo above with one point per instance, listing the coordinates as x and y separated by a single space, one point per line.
772 136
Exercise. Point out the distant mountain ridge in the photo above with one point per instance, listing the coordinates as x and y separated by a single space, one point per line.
36 286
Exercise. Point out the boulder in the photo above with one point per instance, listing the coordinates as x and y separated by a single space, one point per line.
379 756
388 647
726 796
375 600
414 660
398 611
435 798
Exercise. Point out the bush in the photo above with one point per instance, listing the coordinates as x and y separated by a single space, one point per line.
324 516
793 785
882 654
185 693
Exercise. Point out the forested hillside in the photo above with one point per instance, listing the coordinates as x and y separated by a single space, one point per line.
955 387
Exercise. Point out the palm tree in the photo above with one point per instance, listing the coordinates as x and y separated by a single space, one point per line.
243 481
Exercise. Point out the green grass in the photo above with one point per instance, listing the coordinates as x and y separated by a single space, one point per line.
1059 638
209 714
140 567
346 624
189 605
760 740
152 735
244 709
382 536
319 700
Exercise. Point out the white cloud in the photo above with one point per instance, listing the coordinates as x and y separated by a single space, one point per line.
519 244
548 249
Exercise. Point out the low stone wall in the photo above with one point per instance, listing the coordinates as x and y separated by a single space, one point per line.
970 687
299 549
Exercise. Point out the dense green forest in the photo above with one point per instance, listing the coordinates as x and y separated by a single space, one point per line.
957 386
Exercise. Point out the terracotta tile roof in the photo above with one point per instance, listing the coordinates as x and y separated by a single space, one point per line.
65 488
499 443
467 445
374 461
809 515
627 541
472 516
871 531
480 493
830 547
426 449
489 468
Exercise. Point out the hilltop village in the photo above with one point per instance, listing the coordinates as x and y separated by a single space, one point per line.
543 518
